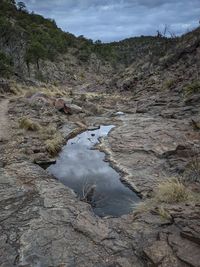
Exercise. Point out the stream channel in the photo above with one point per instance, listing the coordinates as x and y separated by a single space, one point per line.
85 170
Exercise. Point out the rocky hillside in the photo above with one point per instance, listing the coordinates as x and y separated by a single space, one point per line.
32 47
176 67
132 50
152 99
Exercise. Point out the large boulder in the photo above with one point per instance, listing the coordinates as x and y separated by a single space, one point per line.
66 107
92 108
74 109
40 99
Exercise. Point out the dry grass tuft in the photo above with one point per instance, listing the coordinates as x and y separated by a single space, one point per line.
28 124
163 213
54 145
51 130
192 172
47 132
16 88
168 192
172 191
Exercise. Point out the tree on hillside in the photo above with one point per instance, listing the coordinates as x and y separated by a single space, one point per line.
21 6
34 53
97 42
5 65
12 2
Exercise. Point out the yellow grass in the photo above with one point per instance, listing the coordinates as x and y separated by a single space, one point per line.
54 145
171 191
28 124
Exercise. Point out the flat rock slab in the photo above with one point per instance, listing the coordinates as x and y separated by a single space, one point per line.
44 224
148 148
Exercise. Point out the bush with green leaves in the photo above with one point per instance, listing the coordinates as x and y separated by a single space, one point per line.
5 65
192 88
42 39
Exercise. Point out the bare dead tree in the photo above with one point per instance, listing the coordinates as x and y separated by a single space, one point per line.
167 30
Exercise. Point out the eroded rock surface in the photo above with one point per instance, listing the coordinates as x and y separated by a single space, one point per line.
149 148
42 223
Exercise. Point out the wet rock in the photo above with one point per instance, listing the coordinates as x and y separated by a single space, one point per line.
93 128
45 163
49 226
119 113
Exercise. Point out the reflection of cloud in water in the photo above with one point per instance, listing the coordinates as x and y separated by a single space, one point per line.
78 164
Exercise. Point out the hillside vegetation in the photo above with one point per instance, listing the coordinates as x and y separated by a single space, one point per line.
28 39
173 64
33 48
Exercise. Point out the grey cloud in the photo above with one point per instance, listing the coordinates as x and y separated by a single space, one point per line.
110 20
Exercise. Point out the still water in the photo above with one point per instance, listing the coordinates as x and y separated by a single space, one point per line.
84 169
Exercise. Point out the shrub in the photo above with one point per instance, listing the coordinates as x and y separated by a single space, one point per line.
5 64
171 191
168 84
28 124
192 88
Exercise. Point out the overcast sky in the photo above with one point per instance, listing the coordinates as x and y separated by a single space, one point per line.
110 20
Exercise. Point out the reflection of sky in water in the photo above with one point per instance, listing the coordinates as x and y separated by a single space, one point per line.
78 167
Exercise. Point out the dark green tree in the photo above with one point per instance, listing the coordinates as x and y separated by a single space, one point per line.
21 6
34 53
5 65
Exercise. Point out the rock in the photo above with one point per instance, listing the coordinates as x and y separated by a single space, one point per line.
142 107
67 108
93 128
74 109
195 125
119 113
160 254
192 234
92 108
44 224
45 163
40 99
59 104
193 99
186 250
